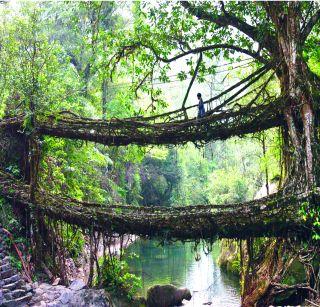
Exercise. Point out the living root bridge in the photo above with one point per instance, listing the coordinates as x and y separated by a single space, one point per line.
145 131
276 215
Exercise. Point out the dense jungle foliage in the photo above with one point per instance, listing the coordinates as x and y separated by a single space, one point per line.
106 60
58 56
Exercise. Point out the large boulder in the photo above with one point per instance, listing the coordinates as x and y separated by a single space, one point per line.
167 296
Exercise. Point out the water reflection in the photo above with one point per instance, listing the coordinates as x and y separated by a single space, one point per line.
176 264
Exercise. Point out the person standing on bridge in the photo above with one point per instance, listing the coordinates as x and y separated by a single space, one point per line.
201 110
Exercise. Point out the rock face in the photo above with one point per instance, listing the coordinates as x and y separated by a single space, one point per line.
13 289
76 295
167 296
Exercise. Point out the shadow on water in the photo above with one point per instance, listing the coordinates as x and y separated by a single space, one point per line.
175 264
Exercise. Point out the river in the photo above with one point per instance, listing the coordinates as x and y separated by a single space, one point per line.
176 264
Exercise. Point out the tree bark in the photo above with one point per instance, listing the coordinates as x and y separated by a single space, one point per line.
296 85
258 277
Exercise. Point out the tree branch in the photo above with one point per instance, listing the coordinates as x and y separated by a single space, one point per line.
192 80
141 83
266 41
207 48
282 287
309 26
258 73
217 108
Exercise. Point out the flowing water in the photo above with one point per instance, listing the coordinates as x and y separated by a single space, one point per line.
176 264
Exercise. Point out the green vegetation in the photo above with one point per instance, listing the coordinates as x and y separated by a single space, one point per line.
8 220
110 61
117 278
229 258
7 217
65 73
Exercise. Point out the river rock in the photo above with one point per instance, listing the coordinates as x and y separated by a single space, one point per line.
90 298
77 284
60 296
66 296
1 297
167 296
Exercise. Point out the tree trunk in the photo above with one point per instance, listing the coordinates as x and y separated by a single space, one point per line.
300 120
299 142
104 88
258 276
296 85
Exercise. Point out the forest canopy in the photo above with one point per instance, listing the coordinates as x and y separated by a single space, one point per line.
60 60
177 120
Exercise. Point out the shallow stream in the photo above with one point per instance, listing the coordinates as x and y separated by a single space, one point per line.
176 264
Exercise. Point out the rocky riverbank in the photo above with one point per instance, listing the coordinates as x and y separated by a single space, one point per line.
77 295
15 292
